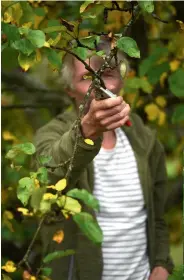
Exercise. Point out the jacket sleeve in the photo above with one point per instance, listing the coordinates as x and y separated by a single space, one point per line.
162 252
57 139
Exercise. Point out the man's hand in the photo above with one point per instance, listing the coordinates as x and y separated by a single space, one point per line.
104 115
159 273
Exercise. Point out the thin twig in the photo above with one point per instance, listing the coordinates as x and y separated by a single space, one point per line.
25 258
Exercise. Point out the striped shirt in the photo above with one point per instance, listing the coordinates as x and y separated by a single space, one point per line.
122 215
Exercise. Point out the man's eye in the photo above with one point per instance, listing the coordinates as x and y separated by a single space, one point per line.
87 77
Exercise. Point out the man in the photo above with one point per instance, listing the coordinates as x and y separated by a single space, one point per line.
124 169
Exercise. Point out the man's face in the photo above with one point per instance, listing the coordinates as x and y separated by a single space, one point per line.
111 78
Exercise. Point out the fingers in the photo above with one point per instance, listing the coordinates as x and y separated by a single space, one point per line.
116 110
115 125
105 104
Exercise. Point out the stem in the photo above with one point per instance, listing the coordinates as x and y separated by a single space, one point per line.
24 260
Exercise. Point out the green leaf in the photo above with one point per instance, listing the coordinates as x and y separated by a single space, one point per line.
90 41
46 271
85 196
26 61
147 6
45 206
57 255
129 46
178 273
23 45
11 31
25 189
178 115
54 58
89 227
3 46
54 29
42 175
81 52
135 83
40 12
28 13
36 197
156 71
176 82
37 38
148 63
27 148
44 159
85 5
69 204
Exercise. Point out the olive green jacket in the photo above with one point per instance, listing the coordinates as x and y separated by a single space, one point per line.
57 139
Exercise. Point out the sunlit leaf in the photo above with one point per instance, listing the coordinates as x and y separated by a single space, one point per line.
26 61
174 64
129 46
58 236
49 196
89 226
85 5
36 37
147 6
9 267
57 255
61 185
89 142
161 101
85 196
45 206
24 46
24 211
152 111
25 188
72 205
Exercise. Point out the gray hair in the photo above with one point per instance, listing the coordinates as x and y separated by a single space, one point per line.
67 72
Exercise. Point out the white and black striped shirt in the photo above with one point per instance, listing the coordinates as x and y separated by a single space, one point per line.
122 216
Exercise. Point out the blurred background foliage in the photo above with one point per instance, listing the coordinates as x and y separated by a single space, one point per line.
32 95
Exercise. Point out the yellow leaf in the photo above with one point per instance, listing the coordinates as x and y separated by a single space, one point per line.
162 79
37 183
65 214
89 141
58 236
27 24
152 111
8 136
26 61
47 45
51 187
49 196
161 101
55 41
24 211
174 65
38 55
61 185
72 205
181 24
8 17
9 266
161 118
8 215
84 6
123 69
33 278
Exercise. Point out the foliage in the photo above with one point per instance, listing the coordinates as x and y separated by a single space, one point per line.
35 37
